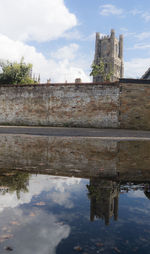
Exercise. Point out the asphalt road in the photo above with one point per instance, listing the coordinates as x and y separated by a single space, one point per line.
75 132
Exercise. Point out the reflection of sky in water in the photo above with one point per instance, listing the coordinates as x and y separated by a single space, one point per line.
37 185
136 194
35 232
29 222
54 217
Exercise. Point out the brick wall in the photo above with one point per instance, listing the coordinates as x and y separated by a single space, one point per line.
135 105
124 104
82 105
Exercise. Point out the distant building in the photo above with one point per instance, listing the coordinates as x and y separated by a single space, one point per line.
48 81
146 74
78 80
109 50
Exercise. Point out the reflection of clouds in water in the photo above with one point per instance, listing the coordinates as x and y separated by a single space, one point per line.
38 184
143 210
39 233
139 210
140 217
61 198
136 194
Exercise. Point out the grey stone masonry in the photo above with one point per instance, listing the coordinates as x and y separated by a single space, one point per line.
110 50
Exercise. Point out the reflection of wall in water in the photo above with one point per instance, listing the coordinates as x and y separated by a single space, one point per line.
104 196
76 156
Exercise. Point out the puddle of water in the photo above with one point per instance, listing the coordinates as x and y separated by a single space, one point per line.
79 157
74 195
52 214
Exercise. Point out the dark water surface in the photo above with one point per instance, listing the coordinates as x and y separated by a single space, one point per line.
62 195
49 214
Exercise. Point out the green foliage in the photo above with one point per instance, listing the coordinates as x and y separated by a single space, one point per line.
99 70
16 73
14 182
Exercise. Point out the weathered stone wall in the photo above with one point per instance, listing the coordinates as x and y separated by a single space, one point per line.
124 104
83 105
135 105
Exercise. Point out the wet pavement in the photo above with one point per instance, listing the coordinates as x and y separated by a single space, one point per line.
76 132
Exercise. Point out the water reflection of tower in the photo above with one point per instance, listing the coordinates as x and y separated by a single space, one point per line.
147 190
104 197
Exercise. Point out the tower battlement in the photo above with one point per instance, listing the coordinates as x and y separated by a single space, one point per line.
109 50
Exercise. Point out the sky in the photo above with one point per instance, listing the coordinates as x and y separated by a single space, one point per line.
58 36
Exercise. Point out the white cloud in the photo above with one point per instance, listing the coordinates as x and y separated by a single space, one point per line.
136 67
146 16
109 9
59 68
141 46
143 36
135 12
143 14
40 20
67 52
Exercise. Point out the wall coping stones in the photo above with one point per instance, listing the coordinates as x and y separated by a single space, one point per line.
137 81
63 84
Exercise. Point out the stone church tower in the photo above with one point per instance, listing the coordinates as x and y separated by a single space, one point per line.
109 50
